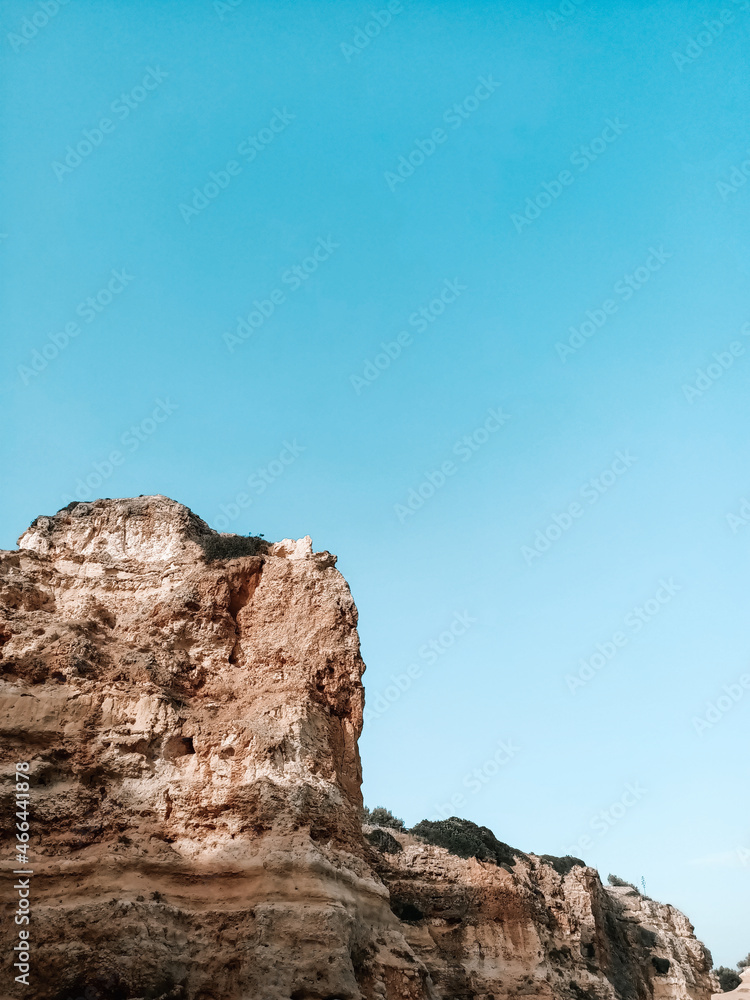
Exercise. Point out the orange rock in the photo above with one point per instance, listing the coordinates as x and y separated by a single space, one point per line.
189 704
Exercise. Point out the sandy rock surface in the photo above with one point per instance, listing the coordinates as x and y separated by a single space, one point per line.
189 705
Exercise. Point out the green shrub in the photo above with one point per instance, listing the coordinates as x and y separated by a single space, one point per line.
379 816
728 979
614 880
466 840
563 865
232 546
744 963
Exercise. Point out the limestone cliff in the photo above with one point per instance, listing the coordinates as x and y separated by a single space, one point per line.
741 993
189 706
537 927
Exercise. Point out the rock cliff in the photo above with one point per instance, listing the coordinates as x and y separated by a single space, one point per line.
741 993
189 705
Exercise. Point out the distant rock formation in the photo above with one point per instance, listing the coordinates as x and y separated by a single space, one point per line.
189 705
741 993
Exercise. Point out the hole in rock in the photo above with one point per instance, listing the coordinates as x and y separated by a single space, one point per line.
178 746
406 911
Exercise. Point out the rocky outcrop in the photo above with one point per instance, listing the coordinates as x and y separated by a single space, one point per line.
741 993
541 927
189 705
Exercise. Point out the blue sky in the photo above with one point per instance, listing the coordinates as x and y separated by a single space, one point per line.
197 168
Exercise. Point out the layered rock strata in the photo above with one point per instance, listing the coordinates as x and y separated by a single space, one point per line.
189 704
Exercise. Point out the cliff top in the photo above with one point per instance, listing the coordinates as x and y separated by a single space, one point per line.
149 529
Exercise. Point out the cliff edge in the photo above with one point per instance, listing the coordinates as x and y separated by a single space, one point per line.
188 704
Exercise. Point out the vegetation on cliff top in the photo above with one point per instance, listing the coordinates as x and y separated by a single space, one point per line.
729 979
379 816
233 546
466 840
460 837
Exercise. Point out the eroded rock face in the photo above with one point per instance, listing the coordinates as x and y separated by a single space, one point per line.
189 704
742 992
538 928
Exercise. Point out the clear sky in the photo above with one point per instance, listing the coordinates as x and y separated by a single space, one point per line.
214 216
